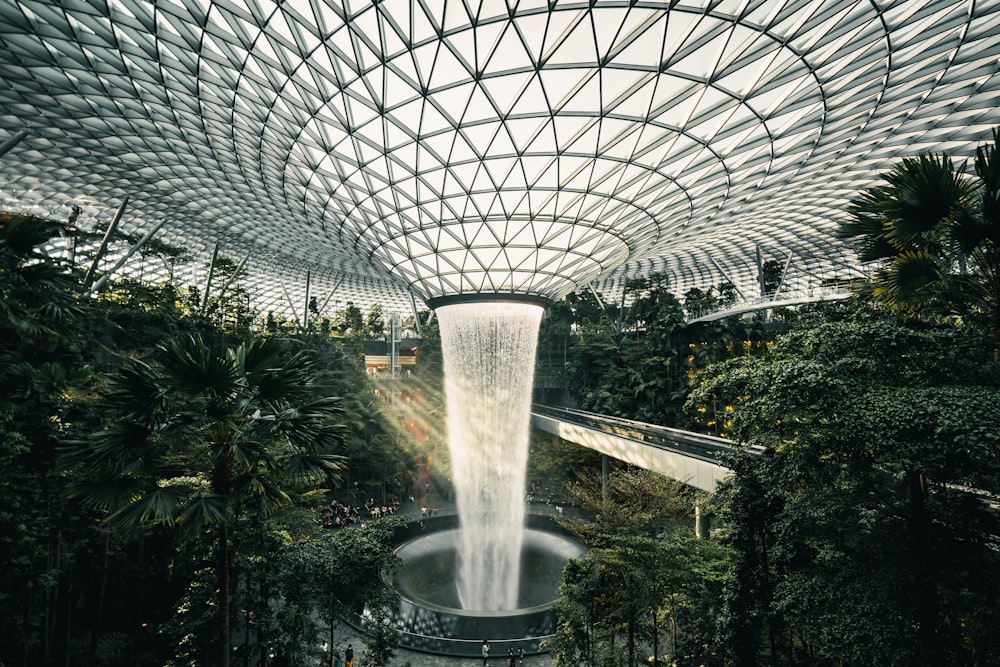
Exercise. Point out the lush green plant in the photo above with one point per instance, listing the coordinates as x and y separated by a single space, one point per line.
337 576
646 579
658 595
201 433
935 230
857 542
42 373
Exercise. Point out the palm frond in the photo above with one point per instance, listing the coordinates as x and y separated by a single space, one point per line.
262 491
987 165
193 368
923 192
311 468
105 495
122 448
203 509
157 507
907 281
969 231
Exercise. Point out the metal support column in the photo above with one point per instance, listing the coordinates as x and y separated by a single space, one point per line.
605 475
394 336
12 141
88 279
208 283
784 272
291 304
727 276
121 262
416 316
305 309
760 270
326 301
235 274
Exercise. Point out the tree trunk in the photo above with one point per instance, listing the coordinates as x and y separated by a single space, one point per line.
925 588
656 639
631 641
95 631
225 650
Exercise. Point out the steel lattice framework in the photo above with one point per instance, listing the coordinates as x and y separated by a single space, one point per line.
443 147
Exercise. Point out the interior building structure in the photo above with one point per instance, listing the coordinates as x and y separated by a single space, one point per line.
400 151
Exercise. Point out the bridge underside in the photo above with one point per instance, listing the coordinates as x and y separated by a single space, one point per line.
697 472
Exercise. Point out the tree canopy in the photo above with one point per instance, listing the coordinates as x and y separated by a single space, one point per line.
864 533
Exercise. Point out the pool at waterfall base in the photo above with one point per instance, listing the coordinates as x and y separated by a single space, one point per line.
429 615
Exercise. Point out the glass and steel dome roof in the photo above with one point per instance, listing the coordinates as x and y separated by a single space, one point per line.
445 147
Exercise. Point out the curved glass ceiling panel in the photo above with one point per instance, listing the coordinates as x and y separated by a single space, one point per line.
464 146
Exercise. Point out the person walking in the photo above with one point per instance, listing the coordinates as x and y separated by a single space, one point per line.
349 656
510 657
486 652
520 655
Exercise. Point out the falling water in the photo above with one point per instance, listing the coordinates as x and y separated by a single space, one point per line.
489 360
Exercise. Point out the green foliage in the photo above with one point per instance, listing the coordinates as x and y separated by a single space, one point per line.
770 276
42 326
375 326
338 576
857 541
657 594
637 502
200 434
162 414
554 463
351 321
935 231
630 366
646 579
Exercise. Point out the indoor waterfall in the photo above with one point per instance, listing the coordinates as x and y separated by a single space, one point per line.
489 360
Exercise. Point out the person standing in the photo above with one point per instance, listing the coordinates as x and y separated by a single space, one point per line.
486 652
510 657
349 656
520 655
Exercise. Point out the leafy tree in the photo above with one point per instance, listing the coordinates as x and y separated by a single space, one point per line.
857 539
42 325
201 434
770 276
662 593
935 231
169 254
698 302
338 576
631 368
637 502
375 322
645 578
727 293
554 339
229 309
351 321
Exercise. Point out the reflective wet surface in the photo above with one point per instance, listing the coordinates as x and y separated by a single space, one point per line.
430 616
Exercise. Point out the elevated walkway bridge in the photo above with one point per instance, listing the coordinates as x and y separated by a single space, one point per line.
784 300
683 455
690 457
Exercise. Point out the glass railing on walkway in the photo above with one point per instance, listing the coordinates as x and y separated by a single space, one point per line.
781 300
696 445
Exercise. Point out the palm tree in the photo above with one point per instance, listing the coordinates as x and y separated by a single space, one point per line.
42 328
204 434
935 229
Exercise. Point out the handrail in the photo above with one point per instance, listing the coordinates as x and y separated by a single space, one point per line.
790 298
696 445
